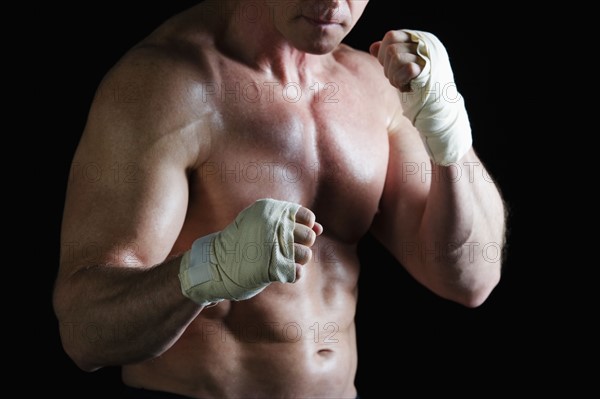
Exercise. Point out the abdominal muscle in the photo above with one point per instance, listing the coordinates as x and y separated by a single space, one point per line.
291 340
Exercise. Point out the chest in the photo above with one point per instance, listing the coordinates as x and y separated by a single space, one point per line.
326 150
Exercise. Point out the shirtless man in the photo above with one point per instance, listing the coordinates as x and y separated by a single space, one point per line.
213 253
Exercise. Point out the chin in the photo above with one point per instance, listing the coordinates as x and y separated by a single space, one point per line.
319 46
313 39
319 49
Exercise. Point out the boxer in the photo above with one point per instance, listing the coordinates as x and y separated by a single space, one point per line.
255 151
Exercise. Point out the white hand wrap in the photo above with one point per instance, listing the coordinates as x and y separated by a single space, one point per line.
434 105
257 248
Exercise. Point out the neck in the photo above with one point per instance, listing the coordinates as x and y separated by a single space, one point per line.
249 35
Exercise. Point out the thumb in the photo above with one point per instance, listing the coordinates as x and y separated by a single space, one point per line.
374 49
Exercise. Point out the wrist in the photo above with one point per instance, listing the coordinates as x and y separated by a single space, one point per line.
199 279
434 105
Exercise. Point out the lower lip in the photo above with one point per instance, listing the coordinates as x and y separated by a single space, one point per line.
320 23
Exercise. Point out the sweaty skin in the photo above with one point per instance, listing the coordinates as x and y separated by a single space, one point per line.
208 114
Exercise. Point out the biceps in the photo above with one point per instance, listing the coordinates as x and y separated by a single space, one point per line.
131 219
406 188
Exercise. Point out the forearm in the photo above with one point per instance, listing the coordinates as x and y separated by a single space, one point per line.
462 231
112 315
445 224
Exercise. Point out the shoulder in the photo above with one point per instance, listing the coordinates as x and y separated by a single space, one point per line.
173 53
364 67
356 59
153 72
368 77
361 64
151 81
164 67
149 102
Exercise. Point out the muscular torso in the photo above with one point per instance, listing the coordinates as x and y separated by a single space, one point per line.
325 147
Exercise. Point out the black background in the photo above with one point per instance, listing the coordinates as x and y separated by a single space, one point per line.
408 339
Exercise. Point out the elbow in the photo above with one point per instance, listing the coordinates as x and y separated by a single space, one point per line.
71 335
76 346
79 357
473 281
76 350
474 293
473 299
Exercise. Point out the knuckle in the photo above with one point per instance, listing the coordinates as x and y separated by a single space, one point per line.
302 254
311 236
302 215
305 216
413 69
389 35
391 51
